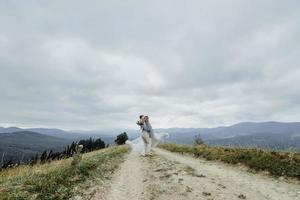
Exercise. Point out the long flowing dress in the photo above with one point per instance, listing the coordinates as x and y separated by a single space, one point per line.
138 145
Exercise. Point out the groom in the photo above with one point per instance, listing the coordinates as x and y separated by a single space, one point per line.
146 133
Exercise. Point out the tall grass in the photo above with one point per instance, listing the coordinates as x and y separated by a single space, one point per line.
57 179
276 163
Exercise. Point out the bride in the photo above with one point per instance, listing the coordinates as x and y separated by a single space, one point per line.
148 139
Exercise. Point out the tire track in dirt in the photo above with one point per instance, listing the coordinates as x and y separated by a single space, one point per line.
218 181
165 175
127 183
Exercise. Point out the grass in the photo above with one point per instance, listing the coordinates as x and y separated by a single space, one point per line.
58 179
276 163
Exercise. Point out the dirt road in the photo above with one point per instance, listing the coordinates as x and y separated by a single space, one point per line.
166 175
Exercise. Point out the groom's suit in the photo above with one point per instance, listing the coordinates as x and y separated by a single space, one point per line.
148 128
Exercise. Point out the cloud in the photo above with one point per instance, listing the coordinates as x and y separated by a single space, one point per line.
78 65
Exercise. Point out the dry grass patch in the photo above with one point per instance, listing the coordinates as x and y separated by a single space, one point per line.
276 163
56 180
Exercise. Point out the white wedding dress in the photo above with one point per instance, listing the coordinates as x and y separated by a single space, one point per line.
138 144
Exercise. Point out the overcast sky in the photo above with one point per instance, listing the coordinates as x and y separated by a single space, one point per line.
100 64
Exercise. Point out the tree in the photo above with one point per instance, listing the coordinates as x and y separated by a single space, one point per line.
8 163
50 156
34 160
72 148
198 140
99 144
121 139
43 157
68 151
90 144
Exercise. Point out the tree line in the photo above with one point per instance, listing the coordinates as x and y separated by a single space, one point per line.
49 155
88 146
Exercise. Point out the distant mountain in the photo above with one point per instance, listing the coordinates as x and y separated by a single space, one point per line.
225 135
274 135
55 132
25 144
10 129
17 143
180 135
275 141
247 128
107 135
46 131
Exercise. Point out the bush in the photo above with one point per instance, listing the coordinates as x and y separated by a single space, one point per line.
121 139
77 156
198 140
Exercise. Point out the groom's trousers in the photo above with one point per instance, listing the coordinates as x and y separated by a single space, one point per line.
147 140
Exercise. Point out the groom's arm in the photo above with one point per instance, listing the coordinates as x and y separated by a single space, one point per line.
139 123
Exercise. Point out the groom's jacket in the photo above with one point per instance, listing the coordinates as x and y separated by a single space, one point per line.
148 128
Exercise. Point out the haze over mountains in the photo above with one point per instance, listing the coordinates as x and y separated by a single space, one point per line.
178 135
271 135
16 142
23 145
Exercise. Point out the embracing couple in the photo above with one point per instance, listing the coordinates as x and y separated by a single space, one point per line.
147 139
147 133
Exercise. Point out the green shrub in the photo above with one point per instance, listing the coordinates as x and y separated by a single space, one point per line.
198 140
77 156
121 139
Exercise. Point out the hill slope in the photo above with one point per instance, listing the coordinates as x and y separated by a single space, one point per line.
25 144
61 179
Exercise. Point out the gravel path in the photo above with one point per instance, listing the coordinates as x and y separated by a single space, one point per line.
166 175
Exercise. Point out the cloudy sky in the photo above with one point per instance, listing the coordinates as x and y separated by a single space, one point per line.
99 64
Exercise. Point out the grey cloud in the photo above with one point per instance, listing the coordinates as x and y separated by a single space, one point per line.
89 65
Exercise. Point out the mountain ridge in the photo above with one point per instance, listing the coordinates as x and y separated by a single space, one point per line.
222 135
23 145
